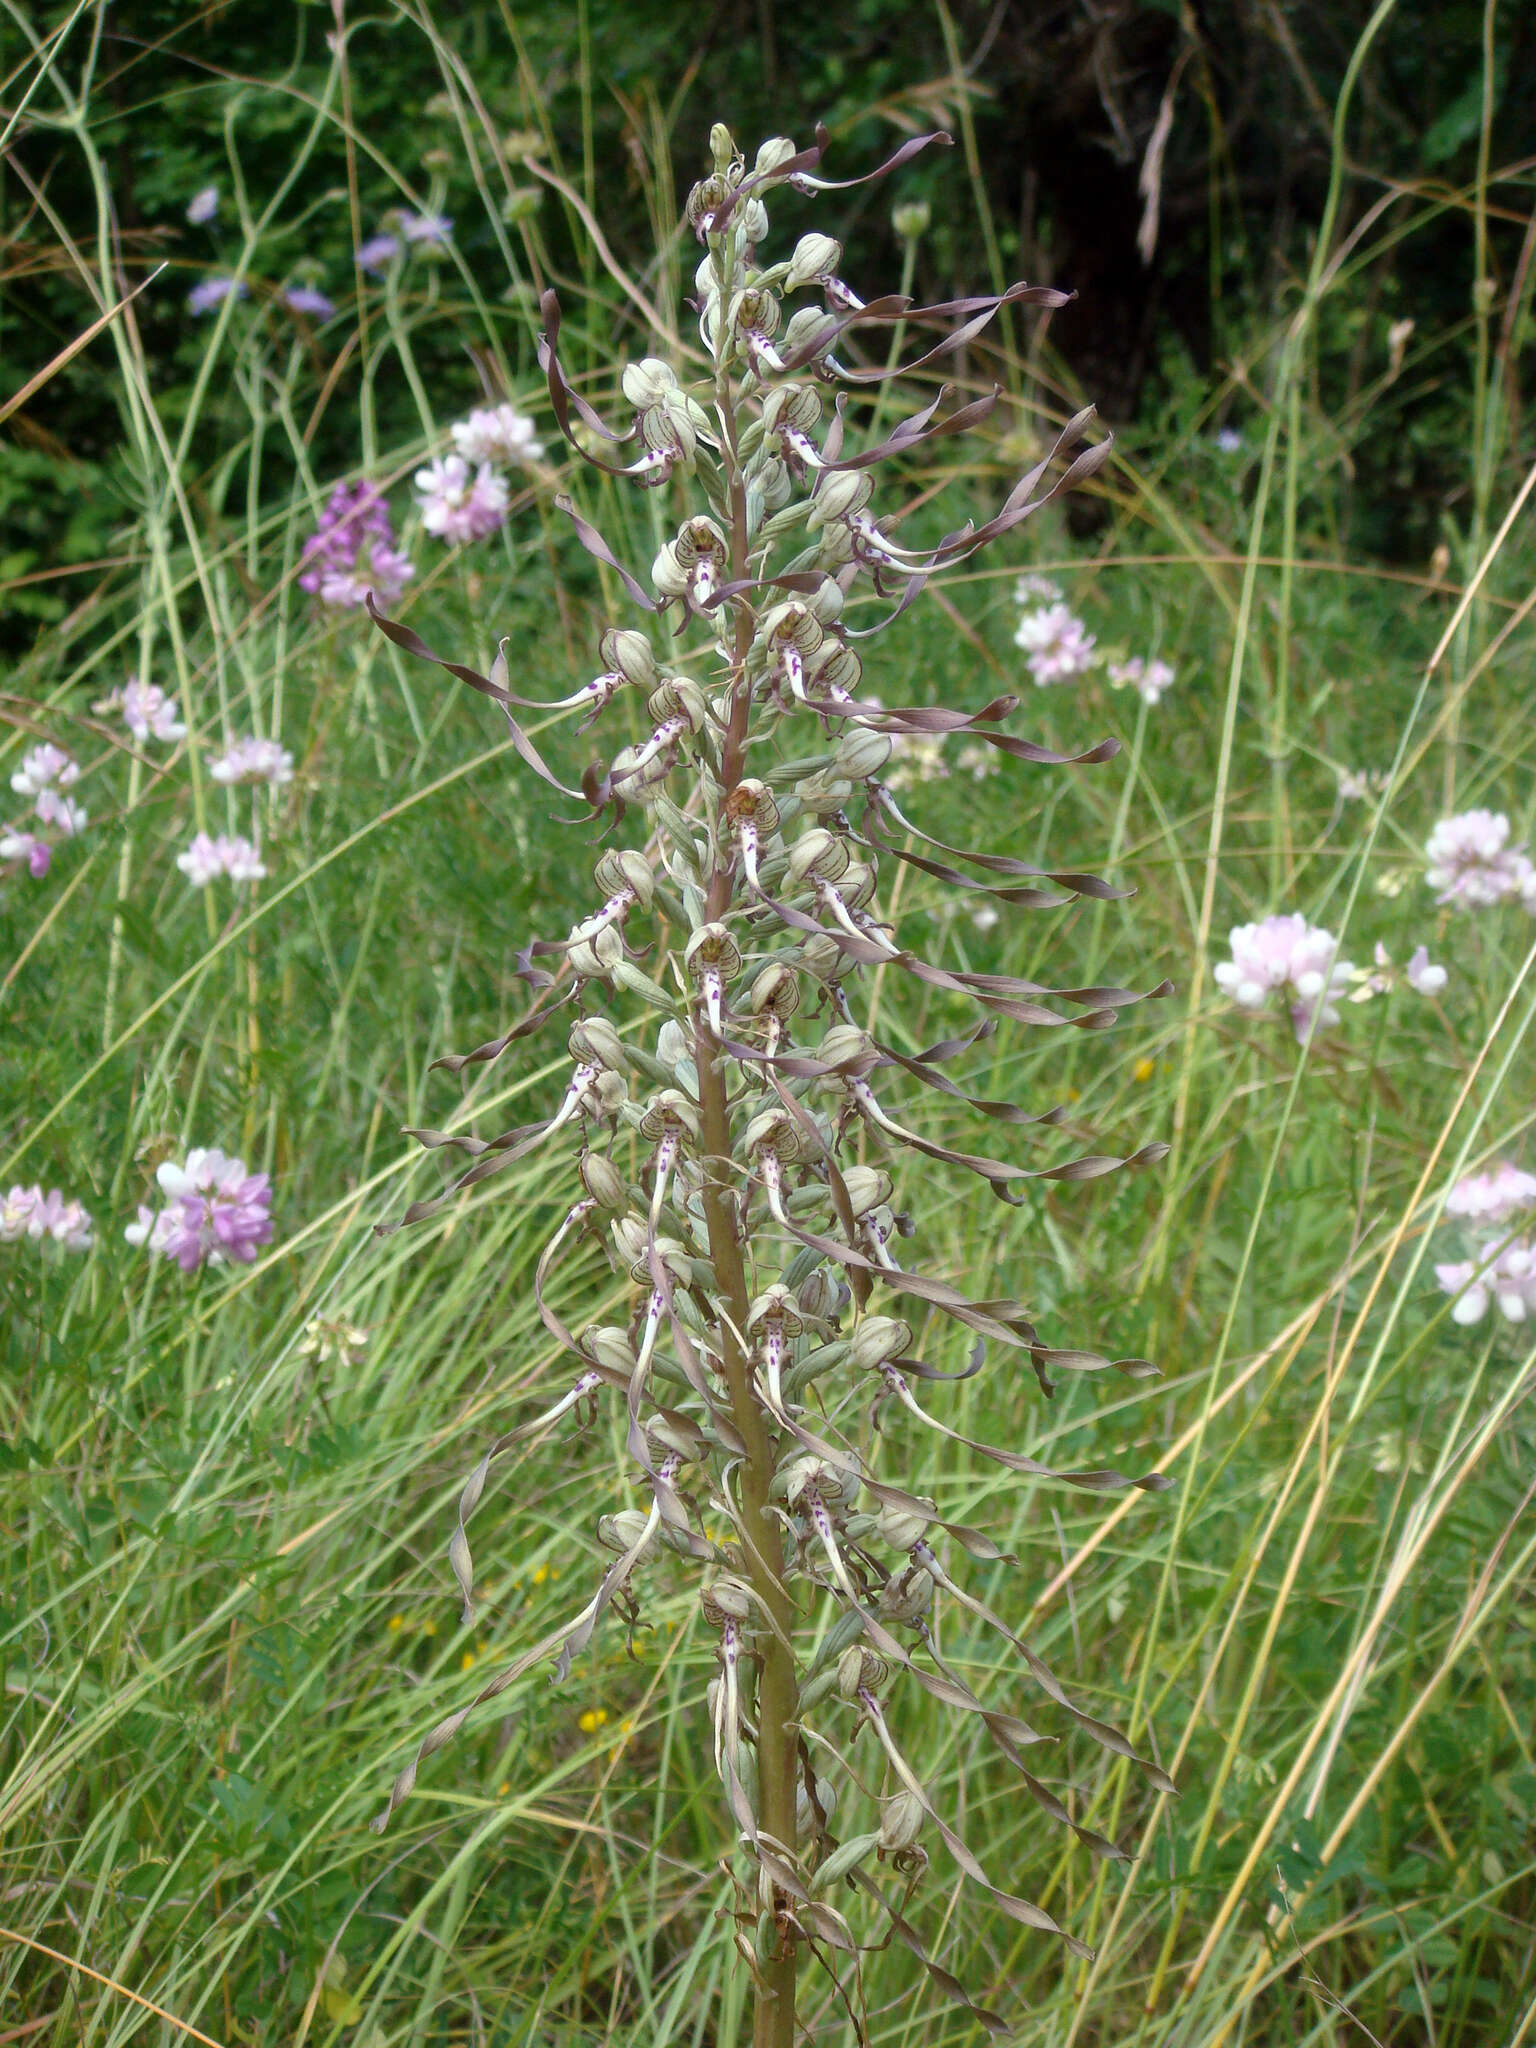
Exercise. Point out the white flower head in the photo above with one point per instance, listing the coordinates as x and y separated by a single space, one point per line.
496 434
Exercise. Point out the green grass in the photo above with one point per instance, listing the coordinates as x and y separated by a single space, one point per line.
225 1606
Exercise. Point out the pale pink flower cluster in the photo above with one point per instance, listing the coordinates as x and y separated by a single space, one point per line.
44 775
216 1212
1357 784
457 505
496 434
1058 644
28 1212
1033 589
1502 1270
207 858
1470 863
1422 976
1506 1277
1149 679
1492 1196
1286 954
148 712
253 760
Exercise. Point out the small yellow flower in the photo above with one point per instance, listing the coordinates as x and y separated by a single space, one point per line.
503 1788
1143 1070
540 1574
429 1627
396 1623
592 1720
467 1661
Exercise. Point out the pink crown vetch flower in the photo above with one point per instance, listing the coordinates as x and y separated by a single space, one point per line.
1469 862
253 760
1058 644
28 1212
496 434
229 854
457 506
45 767
1286 954
1492 1196
217 1213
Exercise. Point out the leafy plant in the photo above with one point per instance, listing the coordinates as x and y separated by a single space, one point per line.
721 1132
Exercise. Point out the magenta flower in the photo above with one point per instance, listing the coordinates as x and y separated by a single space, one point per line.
1058 644
207 858
217 1213
352 551
253 760
456 506
1469 862
1287 954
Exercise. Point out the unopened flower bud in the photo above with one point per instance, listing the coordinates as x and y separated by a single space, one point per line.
861 753
594 1041
868 1187
603 1181
818 849
822 956
629 1239
808 327
628 654
821 1296
648 382
774 991
906 1596
901 1527
858 1670
609 1347
722 149
621 1532
901 1821
815 256
841 492
846 1046
778 149
726 1600
877 1340
911 218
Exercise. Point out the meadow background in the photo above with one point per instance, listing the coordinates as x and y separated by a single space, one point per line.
225 1607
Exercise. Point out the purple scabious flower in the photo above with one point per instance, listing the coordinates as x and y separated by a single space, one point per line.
213 291
377 253
217 1213
309 299
432 228
203 206
1285 953
352 550
1059 645
457 506
1469 862
252 760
